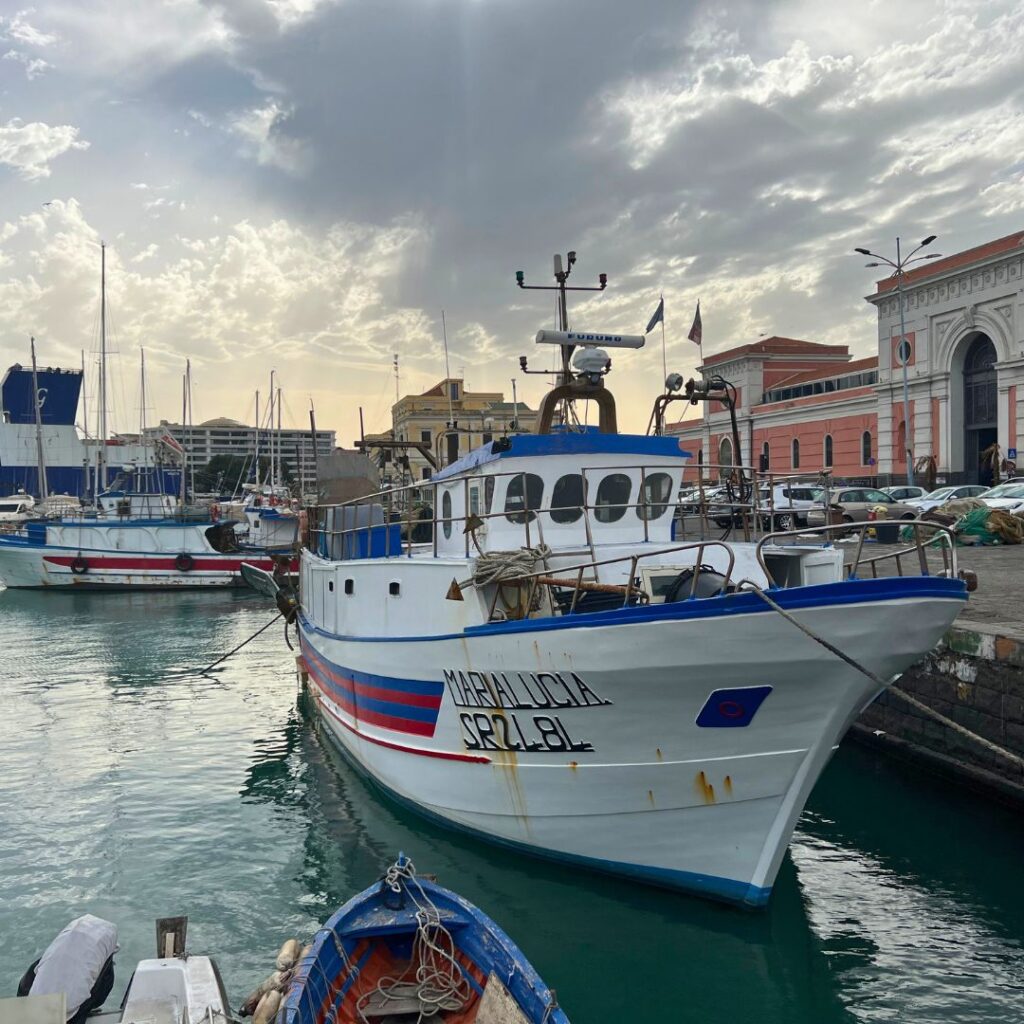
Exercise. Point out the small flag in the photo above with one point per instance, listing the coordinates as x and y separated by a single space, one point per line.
696 331
658 318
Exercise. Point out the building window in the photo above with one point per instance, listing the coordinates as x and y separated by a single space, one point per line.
486 437
865 448
425 473
796 453
766 457
453 389
828 451
425 436
453 447
725 455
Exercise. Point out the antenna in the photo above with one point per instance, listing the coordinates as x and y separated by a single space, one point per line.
561 276
397 399
447 371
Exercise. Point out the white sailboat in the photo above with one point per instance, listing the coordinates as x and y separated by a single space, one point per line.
557 673
135 536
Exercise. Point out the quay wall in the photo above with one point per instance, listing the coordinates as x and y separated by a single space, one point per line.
976 679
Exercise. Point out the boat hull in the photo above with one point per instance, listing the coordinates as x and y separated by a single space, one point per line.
676 746
23 566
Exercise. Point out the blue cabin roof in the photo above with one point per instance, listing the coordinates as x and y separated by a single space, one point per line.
591 442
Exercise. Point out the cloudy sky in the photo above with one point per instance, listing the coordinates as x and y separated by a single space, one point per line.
304 185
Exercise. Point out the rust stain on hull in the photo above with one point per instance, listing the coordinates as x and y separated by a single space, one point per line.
706 790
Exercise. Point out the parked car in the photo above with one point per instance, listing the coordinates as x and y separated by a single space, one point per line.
854 503
786 506
1008 497
943 494
905 493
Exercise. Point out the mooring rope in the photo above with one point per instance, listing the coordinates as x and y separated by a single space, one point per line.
882 685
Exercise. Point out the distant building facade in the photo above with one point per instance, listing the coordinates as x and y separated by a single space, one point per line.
476 416
804 407
224 436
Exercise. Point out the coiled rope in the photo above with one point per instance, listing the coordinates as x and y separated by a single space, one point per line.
499 566
434 976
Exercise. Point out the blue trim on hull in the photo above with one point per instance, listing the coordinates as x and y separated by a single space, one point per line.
823 595
723 890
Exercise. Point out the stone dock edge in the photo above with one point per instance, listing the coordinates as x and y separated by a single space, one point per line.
975 677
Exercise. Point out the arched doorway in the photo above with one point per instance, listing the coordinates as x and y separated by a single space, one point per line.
980 407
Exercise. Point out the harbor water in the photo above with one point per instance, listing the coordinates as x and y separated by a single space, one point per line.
134 787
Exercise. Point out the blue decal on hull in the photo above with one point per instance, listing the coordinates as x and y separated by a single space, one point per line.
732 708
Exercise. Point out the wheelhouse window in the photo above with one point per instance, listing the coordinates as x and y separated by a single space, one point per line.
796 453
828 450
865 448
612 498
656 490
446 514
567 499
523 497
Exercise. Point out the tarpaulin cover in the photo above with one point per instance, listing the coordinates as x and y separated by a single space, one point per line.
74 960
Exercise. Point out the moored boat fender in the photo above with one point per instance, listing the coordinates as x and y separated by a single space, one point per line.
288 955
268 1007
79 566
278 981
184 562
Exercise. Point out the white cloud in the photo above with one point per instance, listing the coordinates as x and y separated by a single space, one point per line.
292 12
34 66
318 305
261 130
19 29
29 148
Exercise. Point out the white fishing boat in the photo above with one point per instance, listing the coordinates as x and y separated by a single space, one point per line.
557 673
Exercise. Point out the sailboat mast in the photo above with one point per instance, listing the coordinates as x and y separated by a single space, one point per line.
257 455
41 461
279 474
142 404
184 450
102 460
270 432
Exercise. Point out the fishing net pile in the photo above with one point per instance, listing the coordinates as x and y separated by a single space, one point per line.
974 522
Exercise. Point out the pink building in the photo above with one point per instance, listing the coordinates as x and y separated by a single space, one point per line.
803 407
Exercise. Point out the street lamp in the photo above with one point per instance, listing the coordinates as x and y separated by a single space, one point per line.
903 348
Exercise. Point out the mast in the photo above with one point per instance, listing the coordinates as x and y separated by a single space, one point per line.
142 404
184 450
101 465
278 481
256 456
191 437
270 431
41 461
85 420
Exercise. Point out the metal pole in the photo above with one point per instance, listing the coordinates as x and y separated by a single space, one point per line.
908 453
40 459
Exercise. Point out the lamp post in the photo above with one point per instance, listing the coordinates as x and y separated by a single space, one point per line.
903 348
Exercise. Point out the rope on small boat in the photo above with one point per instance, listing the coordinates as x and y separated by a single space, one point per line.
440 983
882 685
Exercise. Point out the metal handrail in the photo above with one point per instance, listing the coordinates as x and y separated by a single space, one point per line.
628 589
950 566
